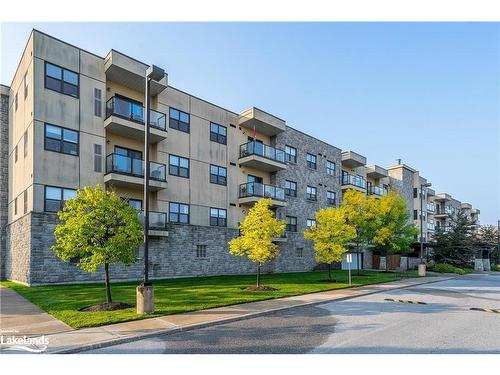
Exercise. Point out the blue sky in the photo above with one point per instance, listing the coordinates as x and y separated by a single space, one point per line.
427 93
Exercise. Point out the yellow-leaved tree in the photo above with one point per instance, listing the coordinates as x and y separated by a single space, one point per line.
257 232
330 236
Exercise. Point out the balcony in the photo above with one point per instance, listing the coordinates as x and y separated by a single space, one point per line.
377 191
126 117
157 223
128 172
262 157
442 212
376 172
251 192
353 182
262 122
442 197
352 160
131 73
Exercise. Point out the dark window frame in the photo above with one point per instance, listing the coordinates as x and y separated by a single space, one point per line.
61 201
218 221
178 221
61 141
313 222
312 164
289 157
299 252
289 192
217 179
201 251
291 227
311 196
174 123
217 136
62 81
172 172
328 169
331 201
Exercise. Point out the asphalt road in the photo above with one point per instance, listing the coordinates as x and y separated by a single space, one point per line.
368 324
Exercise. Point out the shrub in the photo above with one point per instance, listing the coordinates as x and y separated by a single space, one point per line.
448 268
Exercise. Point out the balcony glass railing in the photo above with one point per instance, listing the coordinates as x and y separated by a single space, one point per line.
260 149
348 179
377 190
122 164
257 189
157 220
131 110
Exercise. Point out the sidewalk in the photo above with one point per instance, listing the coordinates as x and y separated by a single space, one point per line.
74 341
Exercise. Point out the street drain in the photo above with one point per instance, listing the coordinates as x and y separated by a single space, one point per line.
405 301
485 310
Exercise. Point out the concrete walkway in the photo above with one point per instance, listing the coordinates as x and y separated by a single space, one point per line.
20 317
73 341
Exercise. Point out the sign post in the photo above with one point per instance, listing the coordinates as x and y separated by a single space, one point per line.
349 261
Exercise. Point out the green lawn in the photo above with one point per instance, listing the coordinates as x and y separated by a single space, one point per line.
181 295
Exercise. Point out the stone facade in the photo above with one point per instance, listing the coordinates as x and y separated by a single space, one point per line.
4 181
301 207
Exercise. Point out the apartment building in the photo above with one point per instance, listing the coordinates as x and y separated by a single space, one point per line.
71 119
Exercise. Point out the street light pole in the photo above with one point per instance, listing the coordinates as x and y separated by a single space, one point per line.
145 292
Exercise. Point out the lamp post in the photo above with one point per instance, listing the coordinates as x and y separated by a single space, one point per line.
421 266
145 293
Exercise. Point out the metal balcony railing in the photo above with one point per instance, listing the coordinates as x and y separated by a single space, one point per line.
157 220
257 189
348 179
122 164
377 190
134 111
260 149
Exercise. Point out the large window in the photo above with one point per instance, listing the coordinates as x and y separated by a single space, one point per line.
290 188
178 166
218 133
290 154
134 203
56 196
291 224
178 213
330 198
218 175
311 193
311 161
61 139
330 168
61 80
179 120
310 223
218 217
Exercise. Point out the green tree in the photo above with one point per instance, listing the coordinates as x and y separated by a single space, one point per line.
393 230
98 228
361 213
458 245
257 232
330 236
488 237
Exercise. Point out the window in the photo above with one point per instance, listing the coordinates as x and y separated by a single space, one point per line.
415 215
201 251
178 166
135 203
97 102
310 223
290 188
415 193
330 198
311 161
25 201
16 154
55 197
179 120
330 168
178 213
311 193
25 85
290 154
61 80
218 133
97 158
15 206
299 252
16 102
61 140
291 224
218 175
25 143
218 217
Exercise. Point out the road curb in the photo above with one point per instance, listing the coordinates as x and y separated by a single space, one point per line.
171 331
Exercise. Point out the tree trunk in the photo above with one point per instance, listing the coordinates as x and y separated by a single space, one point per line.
106 282
258 275
357 257
329 271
